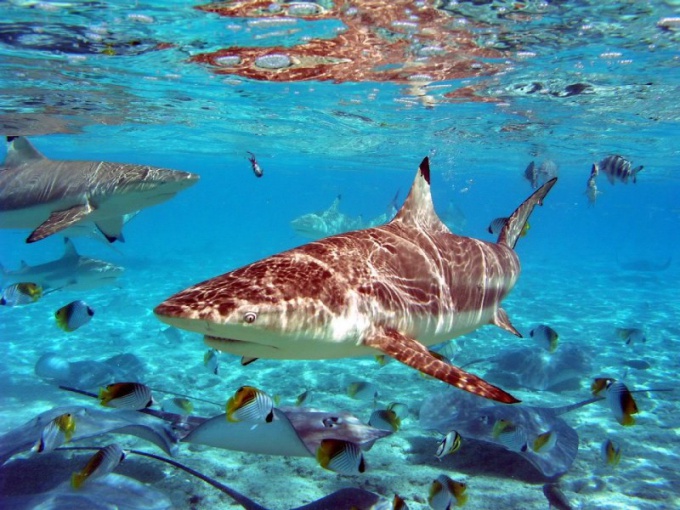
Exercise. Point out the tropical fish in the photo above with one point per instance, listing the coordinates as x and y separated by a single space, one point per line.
362 390
72 316
401 410
591 188
600 384
211 361
385 419
341 297
621 402
57 432
543 442
178 405
611 452
446 493
303 397
250 405
531 175
48 196
496 226
19 294
450 444
341 456
617 168
546 336
511 436
100 464
257 170
631 335
126 395
556 498
72 272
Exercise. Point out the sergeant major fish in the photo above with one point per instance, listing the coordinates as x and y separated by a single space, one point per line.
617 168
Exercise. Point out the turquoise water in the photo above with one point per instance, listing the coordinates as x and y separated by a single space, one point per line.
115 81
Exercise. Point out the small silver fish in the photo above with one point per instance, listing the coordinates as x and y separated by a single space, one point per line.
618 168
591 190
531 175
548 170
385 419
255 165
211 361
100 464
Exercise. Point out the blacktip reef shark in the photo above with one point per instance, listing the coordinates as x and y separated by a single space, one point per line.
49 196
72 271
393 289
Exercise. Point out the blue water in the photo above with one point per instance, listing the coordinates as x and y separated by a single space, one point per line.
98 82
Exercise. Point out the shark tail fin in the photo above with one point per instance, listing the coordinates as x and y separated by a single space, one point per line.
516 222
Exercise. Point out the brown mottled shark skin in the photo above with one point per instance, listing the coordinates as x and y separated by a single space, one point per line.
395 289
49 196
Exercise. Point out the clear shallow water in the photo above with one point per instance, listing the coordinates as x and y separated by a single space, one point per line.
114 81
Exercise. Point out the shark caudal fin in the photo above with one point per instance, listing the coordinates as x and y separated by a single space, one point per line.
515 224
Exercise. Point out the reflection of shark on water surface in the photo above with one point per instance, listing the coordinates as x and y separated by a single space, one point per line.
72 271
393 289
49 196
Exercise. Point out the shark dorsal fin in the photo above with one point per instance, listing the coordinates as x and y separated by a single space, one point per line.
418 209
69 249
20 151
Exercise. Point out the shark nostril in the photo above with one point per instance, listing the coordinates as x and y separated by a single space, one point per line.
249 317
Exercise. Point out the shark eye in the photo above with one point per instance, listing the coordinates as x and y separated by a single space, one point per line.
249 317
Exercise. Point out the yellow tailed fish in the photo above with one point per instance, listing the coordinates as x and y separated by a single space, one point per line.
250 405
510 436
622 403
446 493
126 395
23 293
361 390
450 444
611 452
100 464
303 397
341 456
385 419
401 410
178 405
57 432
73 315
600 384
544 442
211 361
546 336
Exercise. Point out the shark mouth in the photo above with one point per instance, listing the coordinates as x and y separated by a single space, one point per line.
241 347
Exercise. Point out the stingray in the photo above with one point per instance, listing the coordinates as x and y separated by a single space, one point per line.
538 369
474 418
644 265
293 431
88 374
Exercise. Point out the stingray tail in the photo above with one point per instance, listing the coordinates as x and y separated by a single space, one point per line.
516 222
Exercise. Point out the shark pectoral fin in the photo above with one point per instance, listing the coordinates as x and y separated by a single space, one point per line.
112 228
59 220
247 360
414 354
501 319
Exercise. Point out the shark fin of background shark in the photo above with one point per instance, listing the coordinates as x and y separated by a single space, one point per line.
112 228
418 208
20 151
501 319
69 249
414 354
515 224
59 220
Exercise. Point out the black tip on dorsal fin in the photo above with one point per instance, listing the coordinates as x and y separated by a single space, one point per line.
11 138
425 169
